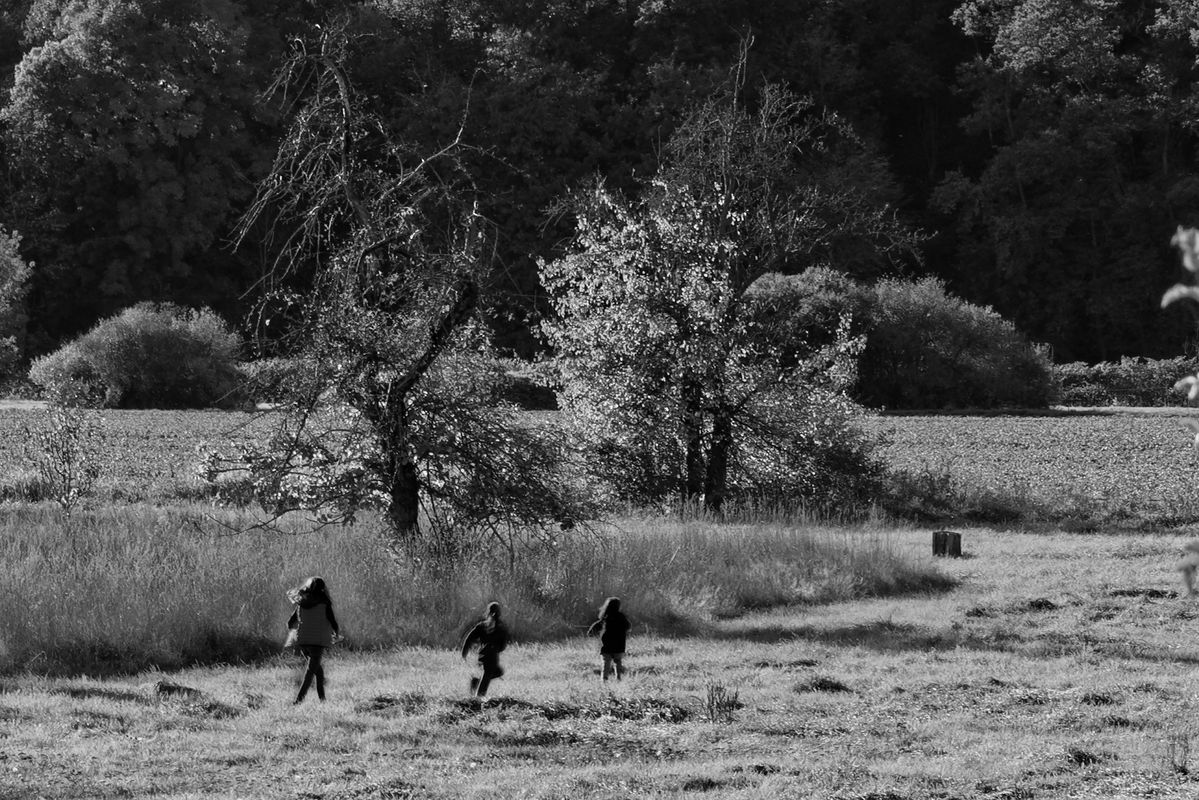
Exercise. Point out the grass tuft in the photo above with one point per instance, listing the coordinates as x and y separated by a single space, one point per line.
821 683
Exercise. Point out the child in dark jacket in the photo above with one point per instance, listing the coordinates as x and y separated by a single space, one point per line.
312 627
491 635
612 627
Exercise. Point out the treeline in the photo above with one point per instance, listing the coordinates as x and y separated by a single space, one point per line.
1045 148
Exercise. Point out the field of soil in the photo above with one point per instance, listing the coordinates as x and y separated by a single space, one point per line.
1115 467
1115 464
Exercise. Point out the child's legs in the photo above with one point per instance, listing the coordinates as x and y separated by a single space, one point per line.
317 668
491 670
613 662
314 669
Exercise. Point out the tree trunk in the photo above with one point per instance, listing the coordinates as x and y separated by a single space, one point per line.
693 439
716 481
389 414
404 509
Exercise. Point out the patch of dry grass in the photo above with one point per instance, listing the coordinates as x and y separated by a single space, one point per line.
132 587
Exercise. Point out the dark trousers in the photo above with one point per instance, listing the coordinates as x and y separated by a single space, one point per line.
313 652
491 670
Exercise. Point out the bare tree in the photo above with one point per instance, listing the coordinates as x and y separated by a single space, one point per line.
381 255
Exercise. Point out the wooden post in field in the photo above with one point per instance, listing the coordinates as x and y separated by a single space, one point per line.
947 543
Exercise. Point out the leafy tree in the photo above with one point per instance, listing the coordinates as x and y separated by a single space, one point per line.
14 284
1086 104
382 257
1187 242
12 17
683 376
128 128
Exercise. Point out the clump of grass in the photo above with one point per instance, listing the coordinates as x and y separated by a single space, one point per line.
822 683
407 703
121 589
1084 757
722 702
1178 753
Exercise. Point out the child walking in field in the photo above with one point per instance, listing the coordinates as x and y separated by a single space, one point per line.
612 627
312 627
491 635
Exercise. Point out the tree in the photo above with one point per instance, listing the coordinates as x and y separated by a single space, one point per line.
14 284
661 340
129 129
1087 108
382 257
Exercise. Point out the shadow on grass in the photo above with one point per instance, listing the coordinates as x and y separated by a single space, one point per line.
884 636
105 659
101 693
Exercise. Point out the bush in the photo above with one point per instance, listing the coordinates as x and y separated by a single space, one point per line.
816 299
270 380
929 349
1128 382
148 356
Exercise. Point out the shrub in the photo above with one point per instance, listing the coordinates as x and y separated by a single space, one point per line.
929 349
1128 382
148 356
817 299
270 380
65 450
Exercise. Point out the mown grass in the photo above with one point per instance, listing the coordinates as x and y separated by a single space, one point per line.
1058 666
124 588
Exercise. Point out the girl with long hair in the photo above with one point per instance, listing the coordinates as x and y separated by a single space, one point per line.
312 628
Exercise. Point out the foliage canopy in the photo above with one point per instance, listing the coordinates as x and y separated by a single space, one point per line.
687 383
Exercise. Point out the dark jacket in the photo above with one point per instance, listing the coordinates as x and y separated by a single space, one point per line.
311 624
612 629
490 634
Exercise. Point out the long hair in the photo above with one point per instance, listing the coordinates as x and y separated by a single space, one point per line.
312 589
612 604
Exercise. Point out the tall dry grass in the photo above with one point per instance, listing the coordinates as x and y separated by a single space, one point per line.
130 587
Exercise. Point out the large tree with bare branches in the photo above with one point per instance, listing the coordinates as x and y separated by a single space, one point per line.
380 259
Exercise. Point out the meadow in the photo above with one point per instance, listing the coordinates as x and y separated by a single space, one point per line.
1058 666
778 656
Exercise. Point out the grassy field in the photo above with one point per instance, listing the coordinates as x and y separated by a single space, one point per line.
1059 666
777 658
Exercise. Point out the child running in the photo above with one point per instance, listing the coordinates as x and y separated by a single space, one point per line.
491 635
312 628
612 627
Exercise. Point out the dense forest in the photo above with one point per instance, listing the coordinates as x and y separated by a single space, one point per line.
1045 150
